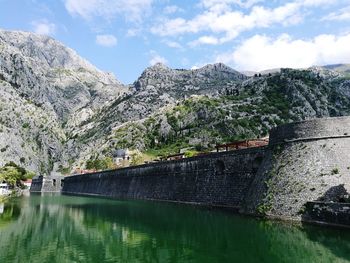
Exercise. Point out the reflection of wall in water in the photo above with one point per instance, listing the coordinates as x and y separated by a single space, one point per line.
159 232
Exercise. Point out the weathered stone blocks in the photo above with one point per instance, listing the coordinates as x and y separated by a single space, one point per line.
52 183
306 161
219 179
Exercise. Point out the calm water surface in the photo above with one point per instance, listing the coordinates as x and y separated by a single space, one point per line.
79 229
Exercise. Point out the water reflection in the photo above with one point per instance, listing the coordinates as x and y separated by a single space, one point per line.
8 213
75 229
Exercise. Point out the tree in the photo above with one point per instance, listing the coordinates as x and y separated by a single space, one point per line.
100 164
107 163
11 175
90 164
136 159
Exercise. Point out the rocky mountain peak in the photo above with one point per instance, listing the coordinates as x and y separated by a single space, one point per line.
44 49
52 75
217 67
161 75
156 70
159 66
220 71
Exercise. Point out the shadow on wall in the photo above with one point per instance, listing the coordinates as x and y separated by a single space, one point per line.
335 194
257 163
333 208
219 167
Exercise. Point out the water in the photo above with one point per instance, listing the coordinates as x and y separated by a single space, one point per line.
79 229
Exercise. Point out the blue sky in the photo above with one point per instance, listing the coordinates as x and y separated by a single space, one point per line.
126 36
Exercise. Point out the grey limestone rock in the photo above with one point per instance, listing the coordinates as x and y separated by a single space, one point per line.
57 110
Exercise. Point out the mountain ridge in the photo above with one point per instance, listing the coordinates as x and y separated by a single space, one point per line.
57 111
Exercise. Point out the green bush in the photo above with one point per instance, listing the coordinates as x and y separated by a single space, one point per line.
190 153
25 125
335 171
12 174
100 164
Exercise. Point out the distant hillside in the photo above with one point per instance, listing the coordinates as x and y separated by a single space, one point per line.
57 111
341 68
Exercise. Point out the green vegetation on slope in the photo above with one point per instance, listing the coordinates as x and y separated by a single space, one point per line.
12 174
249 111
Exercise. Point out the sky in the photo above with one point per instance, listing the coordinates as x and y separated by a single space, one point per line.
126 36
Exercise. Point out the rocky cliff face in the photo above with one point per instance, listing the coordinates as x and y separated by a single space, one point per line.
52 75
45 87
57 110
248 109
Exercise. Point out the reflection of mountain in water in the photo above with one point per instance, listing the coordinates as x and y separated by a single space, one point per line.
66 229
8 213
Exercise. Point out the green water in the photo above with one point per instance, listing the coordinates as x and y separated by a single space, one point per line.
79 229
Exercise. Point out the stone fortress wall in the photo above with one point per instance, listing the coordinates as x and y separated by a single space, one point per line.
219 179
305 162
50 184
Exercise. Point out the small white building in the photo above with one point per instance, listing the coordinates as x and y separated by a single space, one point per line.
4 189
121 157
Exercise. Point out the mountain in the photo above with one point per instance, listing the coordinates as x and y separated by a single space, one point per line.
49 73
340 68
57 111
248 110
44 87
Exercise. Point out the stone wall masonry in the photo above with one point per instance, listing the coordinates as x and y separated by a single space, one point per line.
218 179
314 129
307 161
47 184
37 184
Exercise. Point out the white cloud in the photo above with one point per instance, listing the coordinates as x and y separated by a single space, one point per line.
314 3
341 15
218 18
44 27
171 9
172 44
106 40
132 10
229 23
222 5
156 58
208 40
261 52
133 32
199 65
